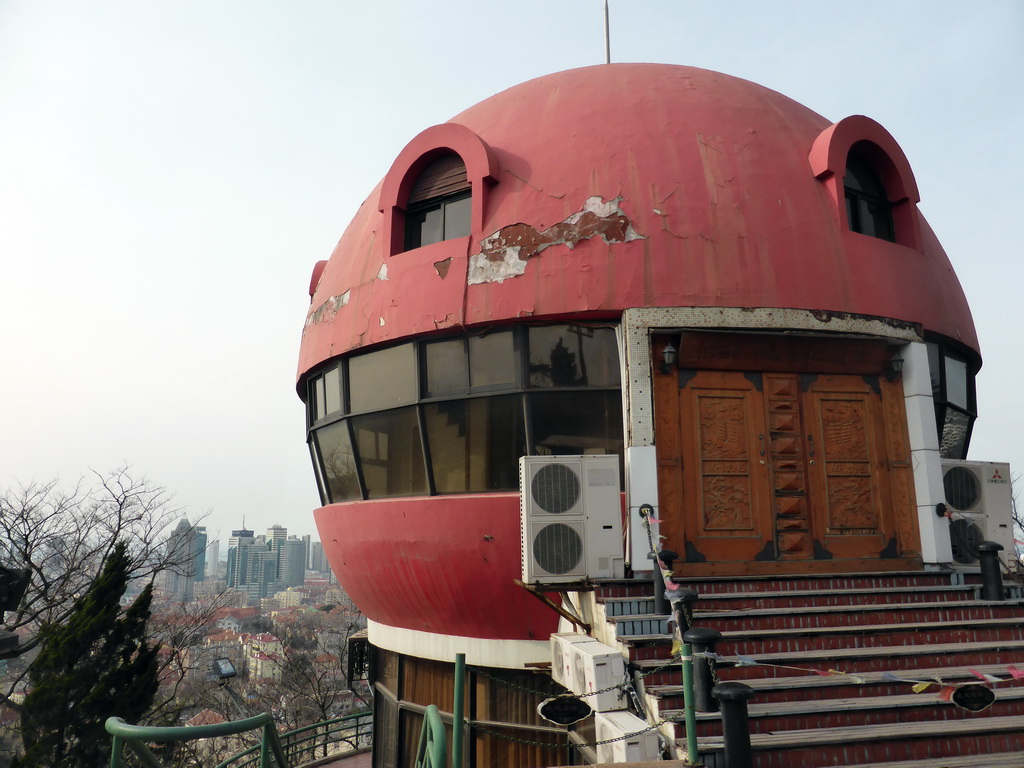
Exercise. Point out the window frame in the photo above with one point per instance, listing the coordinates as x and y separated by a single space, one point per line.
521 388
482 172
938 353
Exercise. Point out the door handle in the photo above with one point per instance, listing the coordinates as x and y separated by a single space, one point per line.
761 436
810 441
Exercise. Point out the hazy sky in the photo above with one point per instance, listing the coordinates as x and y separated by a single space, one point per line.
170 173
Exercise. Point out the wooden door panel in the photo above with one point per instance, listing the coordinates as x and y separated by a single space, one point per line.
725 511
846 467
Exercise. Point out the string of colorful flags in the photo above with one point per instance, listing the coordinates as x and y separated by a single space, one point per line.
971 699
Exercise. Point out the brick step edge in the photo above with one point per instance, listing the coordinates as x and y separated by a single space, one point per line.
809 738
947 674
813 593
898 701
1001 760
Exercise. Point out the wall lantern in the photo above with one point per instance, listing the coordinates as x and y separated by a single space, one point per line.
669 358
895 368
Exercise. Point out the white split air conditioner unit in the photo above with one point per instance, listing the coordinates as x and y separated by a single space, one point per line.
598 667
561 656
571 518
978 495
627 748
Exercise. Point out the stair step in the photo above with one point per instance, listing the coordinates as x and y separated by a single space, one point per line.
907 708
817 581
825 617
1004 760
874 744
830 615
835 597
899 660
815 688
861 599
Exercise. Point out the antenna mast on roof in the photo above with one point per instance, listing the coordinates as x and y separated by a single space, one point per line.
607 37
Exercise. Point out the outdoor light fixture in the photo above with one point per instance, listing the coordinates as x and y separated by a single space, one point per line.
669 358
224 669
895 368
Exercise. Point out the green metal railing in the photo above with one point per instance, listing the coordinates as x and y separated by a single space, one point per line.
324 739
136 736
433 748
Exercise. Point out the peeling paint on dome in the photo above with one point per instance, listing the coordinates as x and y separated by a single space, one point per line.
326 311
504 254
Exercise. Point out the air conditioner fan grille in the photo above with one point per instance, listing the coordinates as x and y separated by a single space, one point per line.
961 487
555 488
557 548
965 536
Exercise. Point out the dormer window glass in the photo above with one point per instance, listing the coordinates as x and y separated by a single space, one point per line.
440 203
868 209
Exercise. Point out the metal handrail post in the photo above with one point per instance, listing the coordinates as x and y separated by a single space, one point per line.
115 752
271 737
689 712
458 715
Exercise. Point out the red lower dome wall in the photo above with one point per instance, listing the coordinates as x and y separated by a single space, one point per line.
443 564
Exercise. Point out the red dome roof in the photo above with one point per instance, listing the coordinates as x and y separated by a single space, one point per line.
704 190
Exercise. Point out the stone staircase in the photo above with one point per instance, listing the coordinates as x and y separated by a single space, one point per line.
916 626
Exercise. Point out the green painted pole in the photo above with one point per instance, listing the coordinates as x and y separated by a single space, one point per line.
689 712
458 716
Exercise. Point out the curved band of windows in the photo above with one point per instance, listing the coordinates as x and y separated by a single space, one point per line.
455 415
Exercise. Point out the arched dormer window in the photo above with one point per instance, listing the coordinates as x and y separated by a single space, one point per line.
440 203
420 195
868 210
869 179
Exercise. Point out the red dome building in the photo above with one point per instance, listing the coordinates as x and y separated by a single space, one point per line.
733 295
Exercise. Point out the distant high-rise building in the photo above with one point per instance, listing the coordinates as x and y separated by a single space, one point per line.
186 552
317 558
277 533
292 562
239 545
212 559
200 559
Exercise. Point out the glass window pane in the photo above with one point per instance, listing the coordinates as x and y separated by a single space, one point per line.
332 389
334 449
570 423
573 356
382 379
427 227
492 360
456 217
956 428
390 453
319 401
447 367
956 382
475 444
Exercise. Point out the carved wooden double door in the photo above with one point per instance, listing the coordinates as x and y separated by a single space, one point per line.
768 467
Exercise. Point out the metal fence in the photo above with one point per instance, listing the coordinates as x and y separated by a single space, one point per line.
329 738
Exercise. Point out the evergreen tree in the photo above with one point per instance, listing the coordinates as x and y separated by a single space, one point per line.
94 665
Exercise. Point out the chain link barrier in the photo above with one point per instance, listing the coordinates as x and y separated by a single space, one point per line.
530 743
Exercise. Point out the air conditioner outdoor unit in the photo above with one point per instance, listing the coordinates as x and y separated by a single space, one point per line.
978 495
633 741
598 667
561 656
571 516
